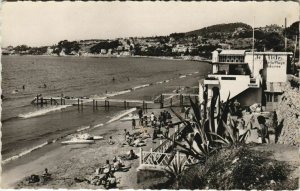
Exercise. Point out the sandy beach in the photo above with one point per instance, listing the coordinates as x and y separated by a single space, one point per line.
79 161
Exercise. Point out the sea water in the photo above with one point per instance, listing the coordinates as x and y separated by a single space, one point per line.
26 126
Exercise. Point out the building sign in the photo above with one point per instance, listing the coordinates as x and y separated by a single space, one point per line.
275 61
276 68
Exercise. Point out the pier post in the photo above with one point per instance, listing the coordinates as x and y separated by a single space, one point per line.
125 105
107 105
78 103
93 104
171 101
61 101
143 105
81 104
51 100
96 104
146 107
42 101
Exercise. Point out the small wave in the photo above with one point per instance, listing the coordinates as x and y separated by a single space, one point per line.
159 82
118 93
166 81
182 76
83 128
98 125
196 72
43 111
24 153
140 86
117 117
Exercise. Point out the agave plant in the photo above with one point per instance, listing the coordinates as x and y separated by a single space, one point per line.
211 127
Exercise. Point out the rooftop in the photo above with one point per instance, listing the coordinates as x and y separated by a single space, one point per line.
233 52
271 53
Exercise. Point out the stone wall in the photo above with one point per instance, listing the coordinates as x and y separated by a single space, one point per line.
288 113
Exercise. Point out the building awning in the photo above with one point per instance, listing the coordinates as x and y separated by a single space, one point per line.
229 63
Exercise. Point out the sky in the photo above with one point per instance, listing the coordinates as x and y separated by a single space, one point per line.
47 23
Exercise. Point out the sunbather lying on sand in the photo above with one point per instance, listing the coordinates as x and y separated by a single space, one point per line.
138 143
110 141
130 156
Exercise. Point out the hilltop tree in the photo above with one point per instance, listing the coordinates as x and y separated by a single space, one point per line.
104 45
292 30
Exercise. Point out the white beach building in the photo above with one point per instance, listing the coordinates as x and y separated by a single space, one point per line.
248 77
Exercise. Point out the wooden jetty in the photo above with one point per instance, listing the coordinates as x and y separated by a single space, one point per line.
165 99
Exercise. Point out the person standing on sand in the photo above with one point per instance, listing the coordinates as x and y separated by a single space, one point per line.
140 113
133 124
152 118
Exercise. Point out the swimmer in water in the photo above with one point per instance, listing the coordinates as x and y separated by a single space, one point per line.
23 87
45 86
113 79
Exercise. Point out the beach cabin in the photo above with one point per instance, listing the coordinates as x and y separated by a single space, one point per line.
248 77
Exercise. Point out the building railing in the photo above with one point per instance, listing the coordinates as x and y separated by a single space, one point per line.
165 159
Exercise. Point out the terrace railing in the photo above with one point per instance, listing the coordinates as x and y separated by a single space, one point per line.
165 159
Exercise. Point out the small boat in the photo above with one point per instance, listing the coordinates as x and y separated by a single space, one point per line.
97 137
77 141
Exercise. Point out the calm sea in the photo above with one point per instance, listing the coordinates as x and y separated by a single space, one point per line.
71 76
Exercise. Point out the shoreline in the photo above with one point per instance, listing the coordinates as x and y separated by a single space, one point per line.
175 58
19 165
87 157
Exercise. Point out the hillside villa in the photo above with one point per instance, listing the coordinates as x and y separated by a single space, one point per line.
249 77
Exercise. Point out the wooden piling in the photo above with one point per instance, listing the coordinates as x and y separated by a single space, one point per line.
81 104
78 103
171 102
51 100
125 104
42 101
96 104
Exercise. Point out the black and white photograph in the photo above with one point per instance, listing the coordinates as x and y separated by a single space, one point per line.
150 95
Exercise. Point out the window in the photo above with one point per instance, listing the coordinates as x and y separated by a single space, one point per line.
275 98
269 97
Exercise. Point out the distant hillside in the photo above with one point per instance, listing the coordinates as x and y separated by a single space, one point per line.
219 28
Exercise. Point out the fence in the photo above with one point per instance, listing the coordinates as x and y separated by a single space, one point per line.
165 159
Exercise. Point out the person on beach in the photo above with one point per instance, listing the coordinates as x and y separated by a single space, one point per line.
263 129
110 141
107 168
133 124
152 118
145 121
186 112
166 131
125 134
140 113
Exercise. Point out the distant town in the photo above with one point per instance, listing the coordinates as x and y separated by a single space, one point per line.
196 44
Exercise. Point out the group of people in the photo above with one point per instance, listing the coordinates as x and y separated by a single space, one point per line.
163 119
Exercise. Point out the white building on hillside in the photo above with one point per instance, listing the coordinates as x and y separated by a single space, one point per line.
248 78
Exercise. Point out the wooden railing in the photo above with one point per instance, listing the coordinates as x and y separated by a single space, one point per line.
160 157
165 159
